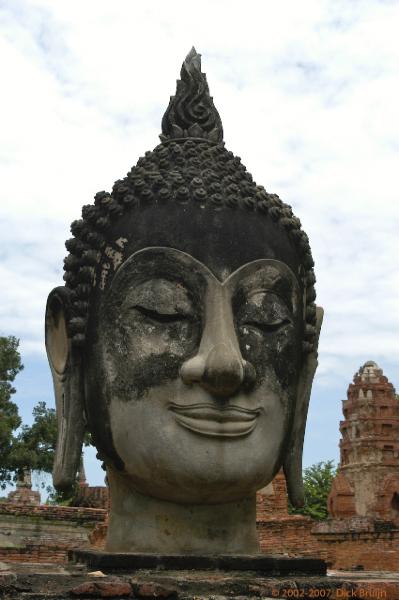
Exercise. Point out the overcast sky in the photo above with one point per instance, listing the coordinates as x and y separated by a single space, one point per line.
308 93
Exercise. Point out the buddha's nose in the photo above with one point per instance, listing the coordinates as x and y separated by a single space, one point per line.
218 367
220 371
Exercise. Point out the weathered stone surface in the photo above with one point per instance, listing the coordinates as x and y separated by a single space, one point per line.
186 340
273 565
103 589
154 590
7 578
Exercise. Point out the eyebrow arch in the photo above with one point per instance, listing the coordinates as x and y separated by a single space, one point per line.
253 285
288 300
273 283
264 290
185 260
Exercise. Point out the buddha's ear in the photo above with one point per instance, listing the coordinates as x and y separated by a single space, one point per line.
293 459
66 367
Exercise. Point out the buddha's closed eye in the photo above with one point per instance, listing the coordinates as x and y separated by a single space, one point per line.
164 316
263 312
160 301
267 327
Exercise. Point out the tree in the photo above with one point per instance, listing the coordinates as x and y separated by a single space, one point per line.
317 481
10 366
33 448
28 446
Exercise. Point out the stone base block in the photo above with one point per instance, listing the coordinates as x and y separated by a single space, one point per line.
261 563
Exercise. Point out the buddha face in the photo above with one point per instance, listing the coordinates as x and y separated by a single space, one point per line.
197 362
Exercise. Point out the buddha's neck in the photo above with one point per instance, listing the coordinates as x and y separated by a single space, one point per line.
140 523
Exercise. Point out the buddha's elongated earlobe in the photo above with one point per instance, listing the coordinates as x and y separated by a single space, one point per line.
293 459
66 367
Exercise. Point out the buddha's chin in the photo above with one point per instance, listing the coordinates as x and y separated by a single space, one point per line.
198 468
195 488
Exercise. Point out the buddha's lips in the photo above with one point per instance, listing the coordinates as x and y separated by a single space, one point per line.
206 419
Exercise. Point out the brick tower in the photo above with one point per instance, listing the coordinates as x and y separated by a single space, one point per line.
367 484
24 493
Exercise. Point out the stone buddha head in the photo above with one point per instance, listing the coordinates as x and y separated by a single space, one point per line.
185 339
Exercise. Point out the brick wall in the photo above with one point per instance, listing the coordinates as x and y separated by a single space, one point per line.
291 535
370 552
93 497
272 501
35 554
343 543
359 542
45 533
50 512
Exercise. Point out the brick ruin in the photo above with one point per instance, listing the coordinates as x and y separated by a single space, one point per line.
278 530
364 500
23 494
90 496
361 533
44 533
31 532
368 481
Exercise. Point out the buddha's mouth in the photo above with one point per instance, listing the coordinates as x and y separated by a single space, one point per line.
206 419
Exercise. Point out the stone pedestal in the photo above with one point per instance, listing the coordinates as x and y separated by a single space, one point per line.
261 563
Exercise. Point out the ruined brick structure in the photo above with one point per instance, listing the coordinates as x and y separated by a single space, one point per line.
31 533
23 494
279 531
364 499
93 497
272 500
368 480
90 496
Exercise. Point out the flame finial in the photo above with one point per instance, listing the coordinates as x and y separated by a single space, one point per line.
191 112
